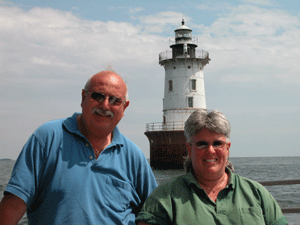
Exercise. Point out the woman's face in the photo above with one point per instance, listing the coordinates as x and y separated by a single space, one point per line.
209 152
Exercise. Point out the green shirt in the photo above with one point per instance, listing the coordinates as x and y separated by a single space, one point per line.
183 201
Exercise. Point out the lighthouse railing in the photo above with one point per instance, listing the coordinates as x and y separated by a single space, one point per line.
165 55
199 54
193 40
179 125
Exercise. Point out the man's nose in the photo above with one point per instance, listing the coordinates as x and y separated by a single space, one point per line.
105 103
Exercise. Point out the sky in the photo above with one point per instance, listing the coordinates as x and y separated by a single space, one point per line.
48 50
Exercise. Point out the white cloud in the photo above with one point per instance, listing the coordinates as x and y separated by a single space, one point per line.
135 10
55 38
253 37
41 61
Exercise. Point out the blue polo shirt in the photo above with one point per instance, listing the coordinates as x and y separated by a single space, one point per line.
61 182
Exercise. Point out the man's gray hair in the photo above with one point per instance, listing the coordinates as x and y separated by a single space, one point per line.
212 120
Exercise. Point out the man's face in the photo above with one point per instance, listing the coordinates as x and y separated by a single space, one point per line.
94 113
209 159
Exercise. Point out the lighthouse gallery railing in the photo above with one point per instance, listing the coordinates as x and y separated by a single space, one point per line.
199 54
164 126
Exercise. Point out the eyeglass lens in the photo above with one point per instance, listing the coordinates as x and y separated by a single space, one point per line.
215 144
113 100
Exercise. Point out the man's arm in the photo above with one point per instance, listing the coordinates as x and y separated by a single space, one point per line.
12 208
142 223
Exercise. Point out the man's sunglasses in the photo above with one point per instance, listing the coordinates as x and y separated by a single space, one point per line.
216 144
100 97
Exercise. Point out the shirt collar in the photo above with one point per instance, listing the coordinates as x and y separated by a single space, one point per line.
117 138
231 180
71 125
192 180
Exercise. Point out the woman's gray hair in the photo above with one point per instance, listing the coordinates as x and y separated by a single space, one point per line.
201 118
212 120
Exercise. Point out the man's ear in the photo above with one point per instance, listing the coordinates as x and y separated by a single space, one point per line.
126 104
83 96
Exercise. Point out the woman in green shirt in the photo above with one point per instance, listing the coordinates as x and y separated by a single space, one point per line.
209 193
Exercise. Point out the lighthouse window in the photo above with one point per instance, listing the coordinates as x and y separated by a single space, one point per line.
193 84
190 102
187 35
170 85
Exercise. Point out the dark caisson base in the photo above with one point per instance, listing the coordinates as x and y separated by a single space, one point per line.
167 149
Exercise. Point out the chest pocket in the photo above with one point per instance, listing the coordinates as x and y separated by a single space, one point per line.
118 194
252 215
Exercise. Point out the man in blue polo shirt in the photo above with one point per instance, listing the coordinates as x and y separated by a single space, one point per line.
81 170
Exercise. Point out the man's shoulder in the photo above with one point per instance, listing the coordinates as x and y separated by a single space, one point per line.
125 141
57 124
51 129
50 126
129 151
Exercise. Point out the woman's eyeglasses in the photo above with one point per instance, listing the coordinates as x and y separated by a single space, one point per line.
216 144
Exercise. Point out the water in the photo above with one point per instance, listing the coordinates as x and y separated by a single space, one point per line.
259 169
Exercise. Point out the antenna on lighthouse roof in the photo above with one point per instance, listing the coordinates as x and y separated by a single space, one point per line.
182 22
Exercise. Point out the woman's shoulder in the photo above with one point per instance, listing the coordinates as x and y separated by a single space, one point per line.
246 183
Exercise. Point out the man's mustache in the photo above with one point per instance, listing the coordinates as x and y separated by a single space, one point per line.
103 112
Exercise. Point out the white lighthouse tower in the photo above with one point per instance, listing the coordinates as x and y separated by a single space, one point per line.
184 79
184 92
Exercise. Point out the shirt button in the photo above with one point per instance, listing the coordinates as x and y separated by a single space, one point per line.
87 145
91 157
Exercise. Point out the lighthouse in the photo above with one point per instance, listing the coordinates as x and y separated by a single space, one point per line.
183 93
